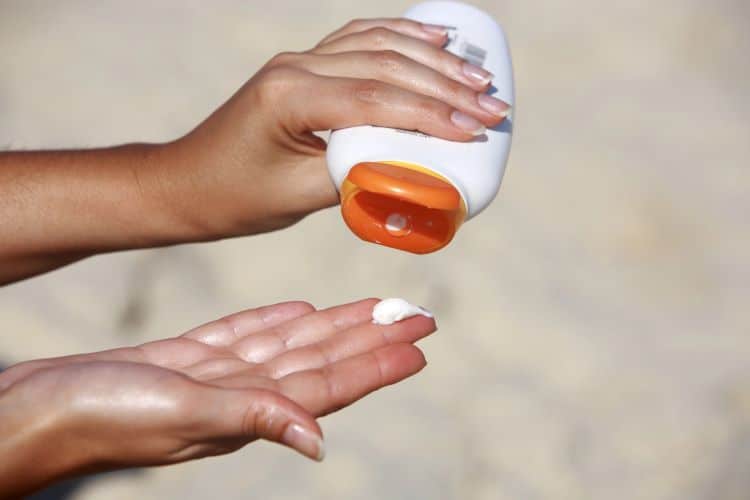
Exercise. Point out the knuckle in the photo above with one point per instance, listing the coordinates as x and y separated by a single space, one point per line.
379 36
263 416
276 82
282 59
354 23
429 109
453 89
388 61
229 324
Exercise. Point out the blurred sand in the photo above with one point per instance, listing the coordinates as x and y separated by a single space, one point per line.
594 324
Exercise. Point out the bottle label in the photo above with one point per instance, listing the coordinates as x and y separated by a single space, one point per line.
460 45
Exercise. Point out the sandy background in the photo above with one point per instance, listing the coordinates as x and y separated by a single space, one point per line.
594 320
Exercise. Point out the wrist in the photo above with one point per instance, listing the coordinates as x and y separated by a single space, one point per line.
196 192
32 434
168 195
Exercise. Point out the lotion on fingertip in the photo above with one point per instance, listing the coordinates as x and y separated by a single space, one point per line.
389 311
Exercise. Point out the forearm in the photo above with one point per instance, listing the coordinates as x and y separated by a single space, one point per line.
60 206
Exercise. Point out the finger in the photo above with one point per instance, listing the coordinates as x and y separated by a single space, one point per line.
312 102
392 67
306 330
176 353
213 368
227 330
205 343
429 32
249 378
248 414
379 39
355 341
325 390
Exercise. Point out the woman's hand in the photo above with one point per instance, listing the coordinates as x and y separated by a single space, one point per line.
264 373
255 164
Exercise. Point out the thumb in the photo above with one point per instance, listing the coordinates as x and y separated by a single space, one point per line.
261 414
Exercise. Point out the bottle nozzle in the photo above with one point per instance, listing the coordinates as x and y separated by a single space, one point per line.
401 206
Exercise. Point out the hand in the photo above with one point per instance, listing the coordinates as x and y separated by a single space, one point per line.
255 164
264 373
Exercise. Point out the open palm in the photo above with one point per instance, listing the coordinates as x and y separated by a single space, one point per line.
262 373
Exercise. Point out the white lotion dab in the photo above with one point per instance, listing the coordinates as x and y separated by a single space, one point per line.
388 311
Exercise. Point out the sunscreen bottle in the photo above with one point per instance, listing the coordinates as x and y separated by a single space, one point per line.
410 191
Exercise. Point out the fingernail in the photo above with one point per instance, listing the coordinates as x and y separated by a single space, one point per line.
425 312
305 441
477 74
467 123
493 105
435 29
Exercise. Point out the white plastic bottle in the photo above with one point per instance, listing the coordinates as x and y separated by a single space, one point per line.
410 191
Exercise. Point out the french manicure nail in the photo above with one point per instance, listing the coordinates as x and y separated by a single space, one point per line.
477 74
435 29
467 123
493 105
305 441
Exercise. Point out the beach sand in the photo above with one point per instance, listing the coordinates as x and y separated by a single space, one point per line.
593 336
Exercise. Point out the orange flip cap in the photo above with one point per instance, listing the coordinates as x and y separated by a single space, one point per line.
401 206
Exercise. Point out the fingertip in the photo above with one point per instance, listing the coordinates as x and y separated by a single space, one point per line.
400 361
301 305
277 418
304 440
467 136
321 451
435 30
432 33
420 359
434 325
497 109
467 124
451 133
425 323
435 39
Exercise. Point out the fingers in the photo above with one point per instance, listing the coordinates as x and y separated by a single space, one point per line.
355 341
312 102
229 329
381 39
392 67
289 337
428 32
302 331
385 73
325 390
248 414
